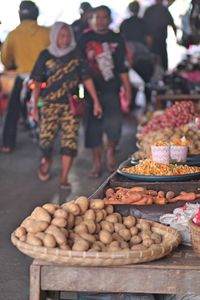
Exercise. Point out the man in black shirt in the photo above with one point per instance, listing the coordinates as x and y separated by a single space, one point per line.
106 55
82 24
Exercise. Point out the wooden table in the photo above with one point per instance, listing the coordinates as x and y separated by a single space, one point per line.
175 274
161 99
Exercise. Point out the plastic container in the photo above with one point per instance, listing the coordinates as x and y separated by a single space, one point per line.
178 153
161 154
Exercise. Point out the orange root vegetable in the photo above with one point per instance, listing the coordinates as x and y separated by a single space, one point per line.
143 201
130 198
138 189
184 197
112 201
151 192
160 200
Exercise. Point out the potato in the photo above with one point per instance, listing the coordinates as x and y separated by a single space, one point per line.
96 204
99 244
119 217
22 238
57 233
83 203
73 209
33 226
157 238
98 227
138 247
78 220
61 213
50 207
20 231
40 235
109 209
49 241
134 230
70 221
135 239
99 215
60 222
81 228
91 226
95 248
80 245
112 218
31 239
105 225
88 237
125 234
144 225
145 234
118 227
147 242
65 231
41 214
105 237
114 244
117 237
124 245
89 215
114 249
65 247
129 221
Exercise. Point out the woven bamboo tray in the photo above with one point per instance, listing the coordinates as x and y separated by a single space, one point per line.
195 234
170 240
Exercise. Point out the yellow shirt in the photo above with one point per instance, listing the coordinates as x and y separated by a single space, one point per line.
23 45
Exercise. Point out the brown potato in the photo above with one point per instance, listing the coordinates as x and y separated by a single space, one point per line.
144 225
109 209
60 222
91 226
134 230
138 247
135 240
125 234
147 242
50 207
112 218
105 225
81 228
83 203
61 213
99 215
73 209
157 238
117 237
114 249
124 245
41 214
105 237
64 247
49 241
65 231
118 227
119 217
114 244
100 245
129 221
33 226
89 215
20 231
98 227
78 220
88 237
96 204
31 239
70 221
80 245
57 233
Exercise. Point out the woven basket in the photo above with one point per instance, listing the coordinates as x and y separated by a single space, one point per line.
195 233
170 240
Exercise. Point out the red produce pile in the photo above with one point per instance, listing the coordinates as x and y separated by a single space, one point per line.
175 116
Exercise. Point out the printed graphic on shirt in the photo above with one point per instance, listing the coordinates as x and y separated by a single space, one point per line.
100 58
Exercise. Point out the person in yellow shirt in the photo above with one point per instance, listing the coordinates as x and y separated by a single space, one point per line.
19 52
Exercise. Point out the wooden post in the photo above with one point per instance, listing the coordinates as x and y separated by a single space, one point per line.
34 288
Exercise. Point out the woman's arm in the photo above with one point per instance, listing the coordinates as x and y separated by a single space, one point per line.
127 87
34 99
88 83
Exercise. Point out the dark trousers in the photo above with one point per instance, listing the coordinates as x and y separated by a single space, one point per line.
13 113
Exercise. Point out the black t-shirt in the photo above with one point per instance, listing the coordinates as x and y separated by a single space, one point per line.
107 58
61 74
133 30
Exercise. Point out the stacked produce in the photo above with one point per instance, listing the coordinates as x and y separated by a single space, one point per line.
175 116
190 131
83 225
142 196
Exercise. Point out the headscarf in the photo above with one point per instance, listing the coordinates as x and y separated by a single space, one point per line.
53 48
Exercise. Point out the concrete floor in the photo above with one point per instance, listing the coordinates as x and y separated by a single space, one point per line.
21 191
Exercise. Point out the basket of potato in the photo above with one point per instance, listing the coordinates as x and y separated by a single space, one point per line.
89 233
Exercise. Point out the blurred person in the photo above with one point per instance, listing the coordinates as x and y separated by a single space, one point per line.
157 18
82 24
106 55
132 29
62 69
19 52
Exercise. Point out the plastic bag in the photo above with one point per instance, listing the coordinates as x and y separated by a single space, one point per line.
179 220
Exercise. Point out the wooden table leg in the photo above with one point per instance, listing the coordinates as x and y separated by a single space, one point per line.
34 288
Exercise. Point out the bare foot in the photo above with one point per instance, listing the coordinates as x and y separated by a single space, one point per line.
94 174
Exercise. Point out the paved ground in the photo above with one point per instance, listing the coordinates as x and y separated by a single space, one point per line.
21 191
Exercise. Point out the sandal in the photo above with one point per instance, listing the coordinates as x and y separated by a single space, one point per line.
43 173
66 186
